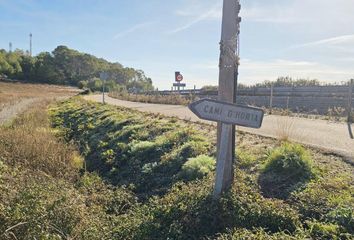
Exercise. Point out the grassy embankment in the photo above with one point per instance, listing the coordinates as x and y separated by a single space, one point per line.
152 178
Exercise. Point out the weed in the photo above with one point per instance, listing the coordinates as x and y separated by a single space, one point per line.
197 167
287 168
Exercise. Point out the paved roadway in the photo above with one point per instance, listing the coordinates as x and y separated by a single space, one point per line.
334 137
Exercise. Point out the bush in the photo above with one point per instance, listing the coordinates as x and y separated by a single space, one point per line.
343 216
287 168
197 167
324 231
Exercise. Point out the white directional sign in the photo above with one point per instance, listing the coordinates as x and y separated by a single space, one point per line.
213 110
103 75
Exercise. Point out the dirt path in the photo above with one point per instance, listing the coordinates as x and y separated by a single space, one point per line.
333 137
11 111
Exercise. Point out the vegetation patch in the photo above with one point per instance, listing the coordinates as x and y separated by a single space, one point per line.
197 167
287 168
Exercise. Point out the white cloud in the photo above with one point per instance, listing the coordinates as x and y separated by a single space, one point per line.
339 40
211 13
133 29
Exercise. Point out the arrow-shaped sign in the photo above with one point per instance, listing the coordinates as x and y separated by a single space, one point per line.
213 110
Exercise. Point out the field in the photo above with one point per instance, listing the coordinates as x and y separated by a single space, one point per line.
101 172
12 92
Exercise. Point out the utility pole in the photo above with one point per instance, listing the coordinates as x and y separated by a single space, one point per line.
228 75
10 47
30 52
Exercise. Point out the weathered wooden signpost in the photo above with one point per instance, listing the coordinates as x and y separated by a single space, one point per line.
224 111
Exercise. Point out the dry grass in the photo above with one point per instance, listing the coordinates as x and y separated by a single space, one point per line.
29 143
285 128
11 93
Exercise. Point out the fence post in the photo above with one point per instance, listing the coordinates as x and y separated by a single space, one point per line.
350 100
287 103
271 98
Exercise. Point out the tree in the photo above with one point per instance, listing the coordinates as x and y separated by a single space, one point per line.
67 66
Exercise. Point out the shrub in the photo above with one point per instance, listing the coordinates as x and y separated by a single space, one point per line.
286 169
324 231
244 159
343 216
197 167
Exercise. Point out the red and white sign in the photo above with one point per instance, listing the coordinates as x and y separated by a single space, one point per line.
179 78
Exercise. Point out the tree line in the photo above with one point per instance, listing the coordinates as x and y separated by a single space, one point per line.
65 66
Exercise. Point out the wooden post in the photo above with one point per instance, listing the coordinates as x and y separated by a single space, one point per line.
226 131
350 100
271 98
227 85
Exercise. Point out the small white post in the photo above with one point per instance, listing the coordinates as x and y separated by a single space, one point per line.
103 91
271 98
350 100
103 77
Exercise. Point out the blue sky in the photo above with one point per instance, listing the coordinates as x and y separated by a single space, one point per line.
299 38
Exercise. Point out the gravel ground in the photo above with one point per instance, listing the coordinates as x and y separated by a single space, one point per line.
328 136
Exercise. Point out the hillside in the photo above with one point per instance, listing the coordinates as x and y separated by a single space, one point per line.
66 66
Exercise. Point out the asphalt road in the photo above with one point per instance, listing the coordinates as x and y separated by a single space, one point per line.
330 136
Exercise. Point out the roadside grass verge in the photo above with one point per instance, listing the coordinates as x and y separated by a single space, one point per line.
143 151
155 157
151 177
